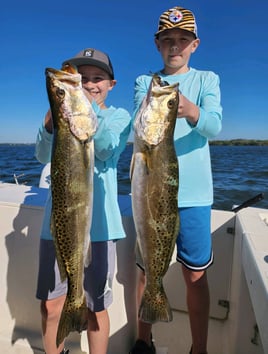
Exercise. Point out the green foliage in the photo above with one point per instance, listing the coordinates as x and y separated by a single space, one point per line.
239 142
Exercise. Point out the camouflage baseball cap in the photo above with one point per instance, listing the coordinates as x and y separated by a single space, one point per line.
91 56
177 17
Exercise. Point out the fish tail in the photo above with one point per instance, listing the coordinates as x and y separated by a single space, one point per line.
155 307
72 319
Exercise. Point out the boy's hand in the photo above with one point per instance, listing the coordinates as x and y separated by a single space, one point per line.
48 123
188 110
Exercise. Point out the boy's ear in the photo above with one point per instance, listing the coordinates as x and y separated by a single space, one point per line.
156 41
195 44
112 84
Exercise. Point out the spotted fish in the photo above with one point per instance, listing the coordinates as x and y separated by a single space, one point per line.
154 189
72 168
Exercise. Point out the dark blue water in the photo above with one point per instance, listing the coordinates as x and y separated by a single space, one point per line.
239 172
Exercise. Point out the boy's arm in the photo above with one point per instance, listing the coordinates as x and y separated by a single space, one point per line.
188 110
141 87
43 146
209 122
112 134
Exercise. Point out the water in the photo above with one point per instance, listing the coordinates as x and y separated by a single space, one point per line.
239 172
19 160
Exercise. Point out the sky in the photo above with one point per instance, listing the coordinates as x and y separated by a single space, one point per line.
35 35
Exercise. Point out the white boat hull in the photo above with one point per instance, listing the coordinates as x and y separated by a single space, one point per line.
238 282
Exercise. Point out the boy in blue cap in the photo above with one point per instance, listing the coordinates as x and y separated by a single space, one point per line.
98 80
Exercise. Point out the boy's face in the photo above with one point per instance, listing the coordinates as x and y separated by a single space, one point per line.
176 47
96 82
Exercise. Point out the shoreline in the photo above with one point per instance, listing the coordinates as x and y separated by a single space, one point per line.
239 142
227 142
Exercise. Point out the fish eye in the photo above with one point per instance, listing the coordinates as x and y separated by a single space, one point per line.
163 83
60 93
170 104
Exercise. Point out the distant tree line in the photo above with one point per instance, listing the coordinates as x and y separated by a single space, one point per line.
233 142
239 142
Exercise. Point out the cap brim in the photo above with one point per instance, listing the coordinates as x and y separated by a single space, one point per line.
89 61
167 29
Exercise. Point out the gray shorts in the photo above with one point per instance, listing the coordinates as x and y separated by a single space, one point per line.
98 275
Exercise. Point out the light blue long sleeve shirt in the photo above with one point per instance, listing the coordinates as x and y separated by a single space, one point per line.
191 142
109 141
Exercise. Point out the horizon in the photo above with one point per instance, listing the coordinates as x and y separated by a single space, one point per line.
131 141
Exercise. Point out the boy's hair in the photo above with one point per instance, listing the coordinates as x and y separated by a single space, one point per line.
177 17
91 56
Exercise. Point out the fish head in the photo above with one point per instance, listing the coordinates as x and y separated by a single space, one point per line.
157 115
69 105
164 98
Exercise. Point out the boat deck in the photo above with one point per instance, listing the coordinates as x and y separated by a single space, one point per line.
238 282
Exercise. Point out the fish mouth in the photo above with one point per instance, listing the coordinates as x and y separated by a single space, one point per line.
68 73
66 68
159 86
69 68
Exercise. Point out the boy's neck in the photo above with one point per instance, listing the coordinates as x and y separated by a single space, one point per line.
175 71
102 106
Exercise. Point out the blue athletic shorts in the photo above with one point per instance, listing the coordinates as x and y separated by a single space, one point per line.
194 244
98 277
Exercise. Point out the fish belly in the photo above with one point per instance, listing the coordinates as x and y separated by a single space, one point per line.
72 188
155 212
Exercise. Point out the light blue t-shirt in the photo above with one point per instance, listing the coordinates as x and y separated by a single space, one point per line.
191 142
109 141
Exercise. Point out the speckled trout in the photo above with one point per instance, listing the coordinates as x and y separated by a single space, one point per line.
154 188
72 168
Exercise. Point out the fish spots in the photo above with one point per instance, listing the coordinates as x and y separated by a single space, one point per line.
72 168
154 187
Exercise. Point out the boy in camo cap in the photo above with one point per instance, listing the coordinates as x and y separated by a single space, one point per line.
199 119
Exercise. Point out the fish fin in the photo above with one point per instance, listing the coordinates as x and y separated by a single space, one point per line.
72 319
131 169
155 307
142 161
87 255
